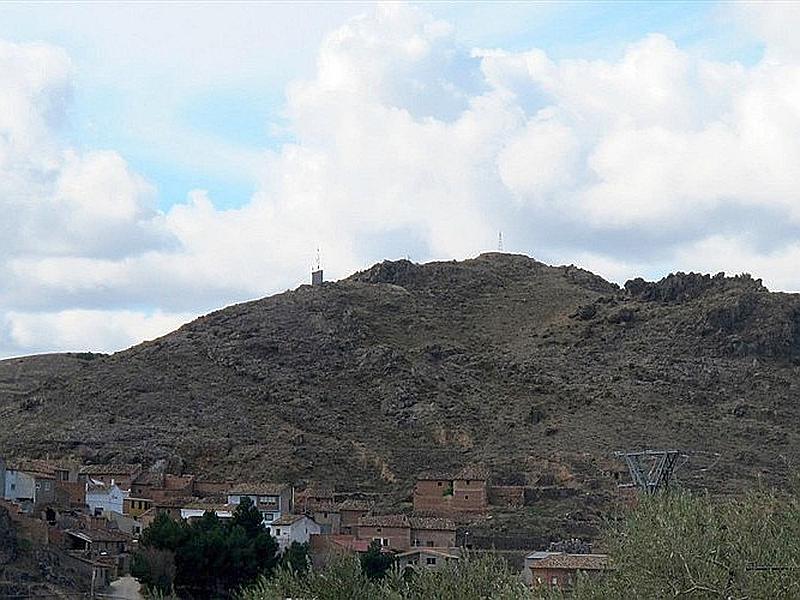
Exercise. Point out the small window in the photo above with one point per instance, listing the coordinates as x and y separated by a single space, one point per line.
430 560
378 530
468 481
466 497
430 543
46 485
554 580
277 531
439 483
38 485
13 486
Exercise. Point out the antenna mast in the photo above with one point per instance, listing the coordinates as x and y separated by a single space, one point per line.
316 271
500 241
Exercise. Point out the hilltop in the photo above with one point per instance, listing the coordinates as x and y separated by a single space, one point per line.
538 373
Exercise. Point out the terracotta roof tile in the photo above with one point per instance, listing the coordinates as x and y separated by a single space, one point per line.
432 523
384 521
582 562
357 505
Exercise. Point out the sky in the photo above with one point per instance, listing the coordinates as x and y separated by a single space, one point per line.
161 160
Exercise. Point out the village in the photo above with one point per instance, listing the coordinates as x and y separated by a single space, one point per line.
89 517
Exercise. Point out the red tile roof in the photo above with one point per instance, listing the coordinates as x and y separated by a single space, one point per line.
384 521
573 562
436 523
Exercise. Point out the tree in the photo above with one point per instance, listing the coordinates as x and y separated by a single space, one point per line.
375 563
248 517
211 557
155 569
295 558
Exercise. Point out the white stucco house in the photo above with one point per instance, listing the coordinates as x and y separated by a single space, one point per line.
103 497
293 528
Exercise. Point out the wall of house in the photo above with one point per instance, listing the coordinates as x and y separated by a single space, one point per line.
443 496
19 486
45 490
433 538
560 578
328 521
420 561
433 495
134 507
399 537
470 495
76 492
299 531
111 500
348 520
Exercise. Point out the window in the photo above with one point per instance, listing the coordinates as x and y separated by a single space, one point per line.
38 485
378 529
554 580
383 541
47 485
430 543
430 560
13 486
466 497
98 512
417 543
439 483
277 531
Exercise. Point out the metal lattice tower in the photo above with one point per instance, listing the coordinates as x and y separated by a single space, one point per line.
500 241
650 470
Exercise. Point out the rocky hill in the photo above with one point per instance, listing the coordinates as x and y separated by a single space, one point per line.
537 372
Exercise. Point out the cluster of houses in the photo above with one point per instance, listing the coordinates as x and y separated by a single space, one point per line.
96 512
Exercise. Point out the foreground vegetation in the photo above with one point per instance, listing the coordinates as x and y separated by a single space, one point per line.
206 557
676 545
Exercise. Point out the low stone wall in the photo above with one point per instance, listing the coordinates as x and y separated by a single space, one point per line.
507 495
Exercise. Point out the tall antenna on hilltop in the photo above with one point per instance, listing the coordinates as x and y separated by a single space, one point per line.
500 241
316 270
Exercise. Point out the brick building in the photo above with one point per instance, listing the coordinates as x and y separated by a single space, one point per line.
560 569
393 531
401 532
432 532
160 486
350 512
445 493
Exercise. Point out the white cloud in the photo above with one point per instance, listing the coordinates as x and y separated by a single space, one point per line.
406 143
89 330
